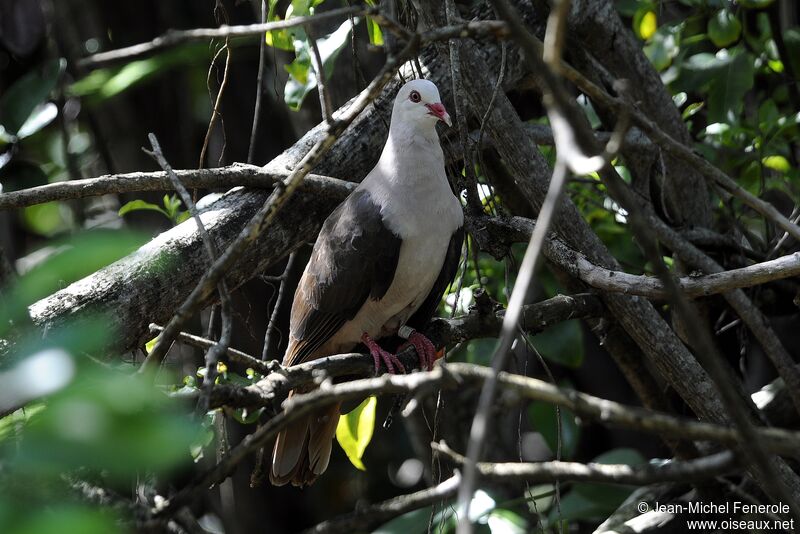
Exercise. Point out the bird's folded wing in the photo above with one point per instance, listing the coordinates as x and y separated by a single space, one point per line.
354 258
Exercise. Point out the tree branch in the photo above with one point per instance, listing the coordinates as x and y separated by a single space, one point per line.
695 470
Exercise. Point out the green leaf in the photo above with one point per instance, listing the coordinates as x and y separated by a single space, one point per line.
610 496
106 83
691 109
561 343
645 23
777 163
543 419
724 28
726 94
302 78
48 219
354 431
137 205
503 521
40 117
75 258
21 174
374 32
663 46
21 99
68 519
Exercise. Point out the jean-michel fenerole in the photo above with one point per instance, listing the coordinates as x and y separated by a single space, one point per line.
730 507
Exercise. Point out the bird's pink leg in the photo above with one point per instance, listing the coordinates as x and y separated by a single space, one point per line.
379 355
424 347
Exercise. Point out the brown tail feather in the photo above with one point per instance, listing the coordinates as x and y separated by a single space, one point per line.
302 451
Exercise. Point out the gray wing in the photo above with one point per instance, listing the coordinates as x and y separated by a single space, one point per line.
423 315
354 258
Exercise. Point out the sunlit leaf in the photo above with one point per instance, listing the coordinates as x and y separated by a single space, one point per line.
374 31
41 116
645 23
354 431
777 163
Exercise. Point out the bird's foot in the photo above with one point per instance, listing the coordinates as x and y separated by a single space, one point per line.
379 355
424 347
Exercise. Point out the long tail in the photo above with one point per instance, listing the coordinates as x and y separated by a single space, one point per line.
302 451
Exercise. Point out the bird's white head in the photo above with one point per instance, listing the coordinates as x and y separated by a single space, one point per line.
418 102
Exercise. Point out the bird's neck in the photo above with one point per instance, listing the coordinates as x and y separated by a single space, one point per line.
412 152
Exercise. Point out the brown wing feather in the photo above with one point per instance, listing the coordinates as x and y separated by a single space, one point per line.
354 258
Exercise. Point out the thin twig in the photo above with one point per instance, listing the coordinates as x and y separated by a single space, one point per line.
263 368
262 62
325 104
176 37
215 113
213 354
279 299
470 184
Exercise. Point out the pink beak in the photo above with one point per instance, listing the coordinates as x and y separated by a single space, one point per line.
438 111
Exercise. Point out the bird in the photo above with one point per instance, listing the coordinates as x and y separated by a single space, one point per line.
378 269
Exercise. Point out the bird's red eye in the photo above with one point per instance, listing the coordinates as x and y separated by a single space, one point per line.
414 97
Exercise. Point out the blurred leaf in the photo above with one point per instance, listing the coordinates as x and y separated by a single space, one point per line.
18 419
46 219
21 174
109 421
724 28
41 116
543 419
67 519
575 506
610 496
777 163
354 430
75 258
663 46
561 343
691 109
726 94
502 521
416 521
103 84
19 101
645 23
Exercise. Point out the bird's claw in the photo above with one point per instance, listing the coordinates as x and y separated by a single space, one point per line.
379 355
425 350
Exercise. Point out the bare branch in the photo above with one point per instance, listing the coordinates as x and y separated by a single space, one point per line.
176 37
695 470
221 177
